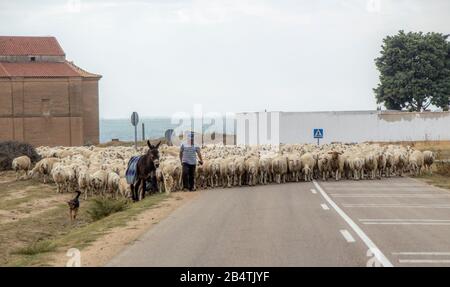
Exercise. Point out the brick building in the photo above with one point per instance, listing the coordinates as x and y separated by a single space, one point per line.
45 99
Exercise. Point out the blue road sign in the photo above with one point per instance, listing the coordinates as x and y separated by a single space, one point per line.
318 133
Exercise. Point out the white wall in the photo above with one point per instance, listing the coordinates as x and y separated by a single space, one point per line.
355 126
258 128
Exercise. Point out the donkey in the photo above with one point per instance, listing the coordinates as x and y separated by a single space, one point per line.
145 168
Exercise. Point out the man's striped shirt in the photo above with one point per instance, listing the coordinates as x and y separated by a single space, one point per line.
189 153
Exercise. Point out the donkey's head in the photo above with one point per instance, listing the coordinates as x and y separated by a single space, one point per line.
153 153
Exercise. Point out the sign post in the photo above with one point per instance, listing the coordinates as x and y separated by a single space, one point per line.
168 135
318 134
134 122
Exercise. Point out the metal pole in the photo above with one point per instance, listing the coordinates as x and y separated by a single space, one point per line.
143 132
202 132
318 139
224 130
135 137
235 129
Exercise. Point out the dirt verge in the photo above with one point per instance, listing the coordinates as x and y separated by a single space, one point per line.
104 248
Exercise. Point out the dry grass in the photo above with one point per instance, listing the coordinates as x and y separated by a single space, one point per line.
34 221
441 170
36 248
441 148
103 207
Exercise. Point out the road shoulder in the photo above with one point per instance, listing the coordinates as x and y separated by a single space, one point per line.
105 247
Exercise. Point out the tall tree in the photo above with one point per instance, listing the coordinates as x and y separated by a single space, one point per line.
415 71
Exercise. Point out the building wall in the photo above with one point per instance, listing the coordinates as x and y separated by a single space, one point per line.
257 128
49 111
90 107
357 127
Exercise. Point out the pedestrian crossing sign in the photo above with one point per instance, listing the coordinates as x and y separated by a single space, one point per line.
318 133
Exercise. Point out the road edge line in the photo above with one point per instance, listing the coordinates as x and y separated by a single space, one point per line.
369 243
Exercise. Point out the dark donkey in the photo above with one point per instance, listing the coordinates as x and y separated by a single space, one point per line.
145 168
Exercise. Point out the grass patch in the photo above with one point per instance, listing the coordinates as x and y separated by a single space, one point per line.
82 236
18 239
440 176
103 207
441 148
36 248
442 168
15 193
438 180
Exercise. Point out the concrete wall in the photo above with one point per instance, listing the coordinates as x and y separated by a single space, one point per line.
355 126
257 128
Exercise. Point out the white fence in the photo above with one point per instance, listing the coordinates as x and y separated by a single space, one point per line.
354 126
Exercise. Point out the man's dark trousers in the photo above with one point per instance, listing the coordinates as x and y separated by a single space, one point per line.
188 176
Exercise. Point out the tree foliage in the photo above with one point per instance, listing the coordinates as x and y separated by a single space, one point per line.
415 71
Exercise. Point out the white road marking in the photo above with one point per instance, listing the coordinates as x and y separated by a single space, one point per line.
365 186
313 191
423 261
406 223
422 253
396 195
347 236
369 243
395 205
405 220
324 206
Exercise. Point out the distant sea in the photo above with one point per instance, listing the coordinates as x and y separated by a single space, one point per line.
154 128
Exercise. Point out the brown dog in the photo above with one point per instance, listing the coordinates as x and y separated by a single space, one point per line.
74 204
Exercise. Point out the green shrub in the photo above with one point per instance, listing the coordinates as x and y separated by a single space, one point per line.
36 248
9 150
102 207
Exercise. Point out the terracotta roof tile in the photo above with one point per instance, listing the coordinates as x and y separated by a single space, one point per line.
82 72
37 69
23 46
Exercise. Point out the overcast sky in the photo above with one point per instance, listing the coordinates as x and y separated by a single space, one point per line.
163 56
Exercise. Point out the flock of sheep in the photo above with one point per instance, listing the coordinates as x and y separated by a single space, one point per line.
101 171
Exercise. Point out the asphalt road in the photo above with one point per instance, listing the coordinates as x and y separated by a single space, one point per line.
389 222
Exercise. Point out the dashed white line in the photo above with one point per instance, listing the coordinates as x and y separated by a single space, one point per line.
369 243
347 235
324 206
313 191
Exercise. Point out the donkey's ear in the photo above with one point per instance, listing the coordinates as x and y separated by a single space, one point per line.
157 146
149 145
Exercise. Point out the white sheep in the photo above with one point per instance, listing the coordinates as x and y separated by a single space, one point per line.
98 181
428 160
112 184
21 164
307 164
416 160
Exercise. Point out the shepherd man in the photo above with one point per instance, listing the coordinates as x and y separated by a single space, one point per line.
188 157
